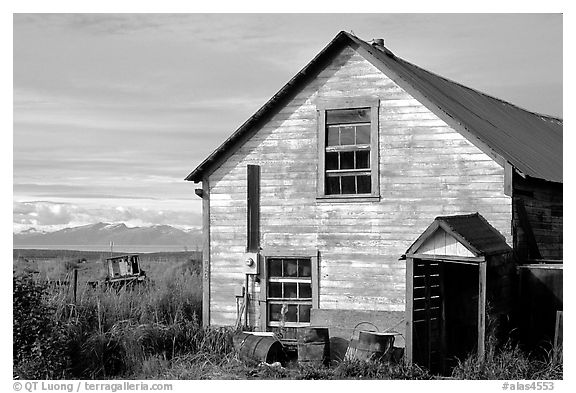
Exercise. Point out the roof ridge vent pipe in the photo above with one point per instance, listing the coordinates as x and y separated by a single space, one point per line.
379 44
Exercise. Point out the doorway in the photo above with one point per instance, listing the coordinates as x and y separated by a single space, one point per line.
444 312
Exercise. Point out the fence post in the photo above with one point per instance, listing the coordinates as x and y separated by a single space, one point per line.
75 279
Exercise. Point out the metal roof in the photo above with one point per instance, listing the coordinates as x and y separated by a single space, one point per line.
530 142
472 230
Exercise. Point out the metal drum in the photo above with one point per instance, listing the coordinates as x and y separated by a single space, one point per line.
314 345
259 348
371 346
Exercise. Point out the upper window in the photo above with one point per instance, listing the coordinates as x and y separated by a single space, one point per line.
348 156
348 151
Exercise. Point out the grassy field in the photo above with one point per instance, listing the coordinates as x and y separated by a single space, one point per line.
57 265
155 332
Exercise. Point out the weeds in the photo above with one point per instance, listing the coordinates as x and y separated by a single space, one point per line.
39 339
155 332
108 334
510 362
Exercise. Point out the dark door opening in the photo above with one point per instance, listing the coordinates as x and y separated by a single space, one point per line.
445 313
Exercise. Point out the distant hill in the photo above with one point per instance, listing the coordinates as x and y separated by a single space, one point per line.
101 234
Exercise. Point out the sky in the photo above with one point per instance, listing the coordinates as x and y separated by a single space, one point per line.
112 111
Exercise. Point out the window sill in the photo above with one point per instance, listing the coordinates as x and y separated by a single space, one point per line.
347 198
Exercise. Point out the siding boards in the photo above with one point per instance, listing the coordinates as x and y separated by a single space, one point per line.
543 207
426 169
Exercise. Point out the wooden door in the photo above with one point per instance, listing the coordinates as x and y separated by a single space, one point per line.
428 329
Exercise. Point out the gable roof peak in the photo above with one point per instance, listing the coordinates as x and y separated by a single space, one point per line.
530 142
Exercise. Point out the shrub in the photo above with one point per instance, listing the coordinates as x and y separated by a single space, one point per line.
39 339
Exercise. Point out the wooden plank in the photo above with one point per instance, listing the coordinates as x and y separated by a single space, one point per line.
481 309
323 104
508 178
428 315
344 322
206 252
408 353
321 188
442 318
451 258
375 148
558 335
263 300
315 280
253 207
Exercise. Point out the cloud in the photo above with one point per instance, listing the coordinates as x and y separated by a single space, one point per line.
43 213
53 215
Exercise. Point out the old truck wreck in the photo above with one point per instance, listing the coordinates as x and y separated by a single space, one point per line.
371 190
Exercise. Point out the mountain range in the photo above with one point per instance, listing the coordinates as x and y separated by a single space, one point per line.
102 234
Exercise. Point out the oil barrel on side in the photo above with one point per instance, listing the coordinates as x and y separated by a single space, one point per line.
259 348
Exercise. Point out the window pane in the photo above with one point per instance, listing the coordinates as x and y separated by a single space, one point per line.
363 135
275 312
362 159
290 268
290 289
275 289
304 313
331 161
291 315
364 184
347 160
305 290
304 268
347 135
332 138
332 185
348 184
345 116
275 267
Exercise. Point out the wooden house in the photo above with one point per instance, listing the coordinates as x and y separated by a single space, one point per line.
310 204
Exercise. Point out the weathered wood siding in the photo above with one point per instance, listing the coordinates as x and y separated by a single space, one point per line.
426 169
442 243
543 205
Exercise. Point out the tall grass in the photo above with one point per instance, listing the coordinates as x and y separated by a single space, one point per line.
106 334
512 363
155 332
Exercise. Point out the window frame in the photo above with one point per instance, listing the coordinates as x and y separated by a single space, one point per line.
264 279
322 106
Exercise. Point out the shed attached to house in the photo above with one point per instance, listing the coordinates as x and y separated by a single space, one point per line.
460 274
308 206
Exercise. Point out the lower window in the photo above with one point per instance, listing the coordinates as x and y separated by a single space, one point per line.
289 289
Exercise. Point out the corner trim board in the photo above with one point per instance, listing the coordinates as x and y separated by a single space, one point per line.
205 253
508 174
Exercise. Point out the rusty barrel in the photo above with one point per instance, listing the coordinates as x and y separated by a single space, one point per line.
370 346
314 345
261 348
